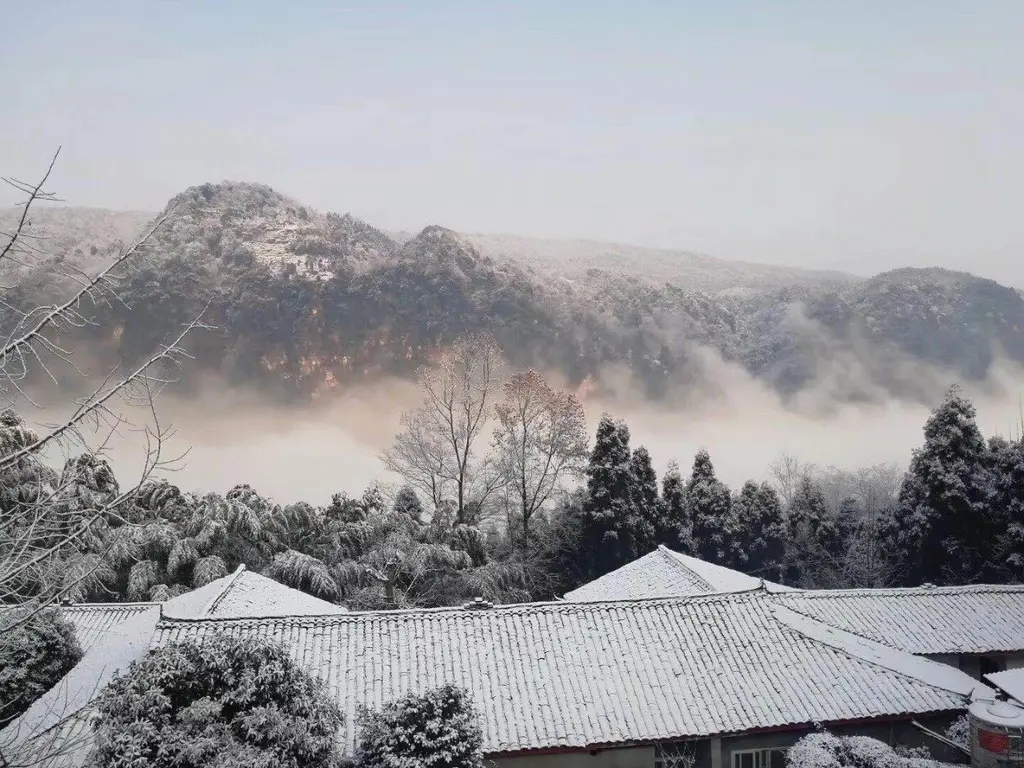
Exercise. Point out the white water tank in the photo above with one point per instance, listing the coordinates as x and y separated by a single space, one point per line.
997 734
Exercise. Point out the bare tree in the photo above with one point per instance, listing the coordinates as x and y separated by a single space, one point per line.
438 448
37 352
788 472
48 517
541 441
856 500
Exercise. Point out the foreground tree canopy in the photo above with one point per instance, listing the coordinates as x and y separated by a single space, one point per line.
37 648
227 703
437 729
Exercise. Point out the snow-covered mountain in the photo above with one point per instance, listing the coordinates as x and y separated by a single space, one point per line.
303 298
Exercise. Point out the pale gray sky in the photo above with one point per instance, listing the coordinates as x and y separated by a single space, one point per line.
857 136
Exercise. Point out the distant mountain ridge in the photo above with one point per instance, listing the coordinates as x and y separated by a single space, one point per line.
303 299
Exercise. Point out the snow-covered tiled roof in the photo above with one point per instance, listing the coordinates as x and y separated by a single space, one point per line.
665 573
112 635
720 578
119 645
656 574
244 593
101 622
923 620
582 675
1011 681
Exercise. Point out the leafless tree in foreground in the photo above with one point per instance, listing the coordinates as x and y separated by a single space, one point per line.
46 517
438 449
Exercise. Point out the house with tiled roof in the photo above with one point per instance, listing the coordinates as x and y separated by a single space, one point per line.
728 678
977 628
112 635
622 682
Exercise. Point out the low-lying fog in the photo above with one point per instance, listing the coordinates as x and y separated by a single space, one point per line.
309 453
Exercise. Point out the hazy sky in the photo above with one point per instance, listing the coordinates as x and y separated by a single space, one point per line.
857 136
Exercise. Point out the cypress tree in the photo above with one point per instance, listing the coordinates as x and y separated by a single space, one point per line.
943 528
648 516
608 509
678 531
710 506
758 546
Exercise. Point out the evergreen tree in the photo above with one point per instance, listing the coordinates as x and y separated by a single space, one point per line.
229 701
813 537
436 729
710 506
608 516
1007 504
677 532
407 504
758 546
943 528
646 504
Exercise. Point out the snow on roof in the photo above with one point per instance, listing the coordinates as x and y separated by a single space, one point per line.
1011 682
924 620
112 635
244 593
66 745
666 573
653 575
100 622
934 673
120 645
584 675
720 578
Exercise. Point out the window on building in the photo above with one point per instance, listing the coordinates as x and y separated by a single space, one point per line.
759 758
680 754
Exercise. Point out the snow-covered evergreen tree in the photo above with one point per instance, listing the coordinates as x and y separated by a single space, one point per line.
407 503
646 504
608 513
435 729
709 502
813 536
943 528
759 541
677 532
1007 505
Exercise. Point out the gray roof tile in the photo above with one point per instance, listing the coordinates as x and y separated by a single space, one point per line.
553 675
923 620
666 573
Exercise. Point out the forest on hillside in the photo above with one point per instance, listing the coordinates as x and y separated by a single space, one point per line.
298 302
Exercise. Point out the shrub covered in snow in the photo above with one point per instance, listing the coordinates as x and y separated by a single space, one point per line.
826 750
960 732
36 651
437 729
226 703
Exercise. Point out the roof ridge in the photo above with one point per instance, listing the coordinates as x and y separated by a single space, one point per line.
541 606
211 604
919 590
109 605
868 642
673 558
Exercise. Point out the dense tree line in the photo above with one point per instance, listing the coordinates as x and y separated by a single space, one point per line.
956 516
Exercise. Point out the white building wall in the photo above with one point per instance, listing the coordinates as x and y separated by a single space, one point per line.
634 757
